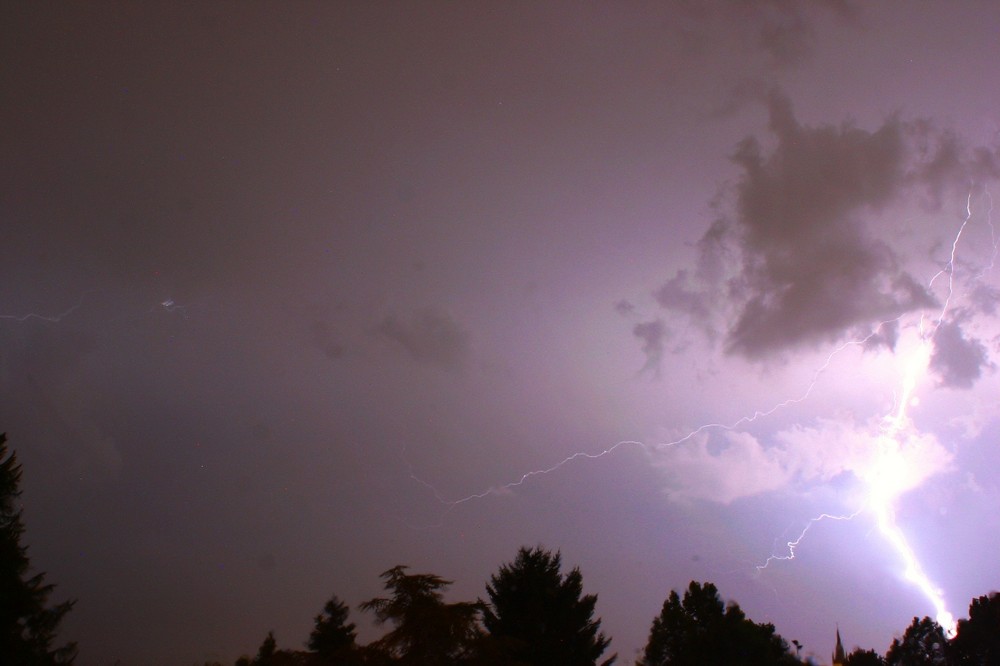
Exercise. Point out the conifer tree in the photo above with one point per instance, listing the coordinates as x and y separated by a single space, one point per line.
536 615
333 638
27 625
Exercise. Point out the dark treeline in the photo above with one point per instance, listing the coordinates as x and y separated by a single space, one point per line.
533 614
536 616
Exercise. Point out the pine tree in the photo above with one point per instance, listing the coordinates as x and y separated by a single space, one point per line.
333 638
537 615
27 625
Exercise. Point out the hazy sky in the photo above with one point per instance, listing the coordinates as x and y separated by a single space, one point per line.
295 292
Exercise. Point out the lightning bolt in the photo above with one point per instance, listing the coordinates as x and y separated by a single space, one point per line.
54 319
885 477
168 305
794 543
884 480
583 455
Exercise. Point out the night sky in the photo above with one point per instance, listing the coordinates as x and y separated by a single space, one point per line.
294 292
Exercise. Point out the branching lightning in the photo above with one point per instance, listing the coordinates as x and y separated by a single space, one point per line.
886 479
794 543
887 476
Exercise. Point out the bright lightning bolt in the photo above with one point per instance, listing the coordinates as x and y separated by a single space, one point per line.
890 472
887 479
888 476
794 543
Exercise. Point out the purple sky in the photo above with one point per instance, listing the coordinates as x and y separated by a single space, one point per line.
283 282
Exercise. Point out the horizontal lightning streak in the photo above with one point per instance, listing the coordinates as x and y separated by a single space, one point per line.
880 500
54 319
742 421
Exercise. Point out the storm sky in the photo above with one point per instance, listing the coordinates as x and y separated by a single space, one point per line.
296 292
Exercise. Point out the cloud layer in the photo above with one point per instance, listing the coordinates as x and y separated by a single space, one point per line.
794 259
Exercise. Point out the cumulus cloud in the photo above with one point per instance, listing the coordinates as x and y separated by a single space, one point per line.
737 464
958 360
811 269
794 258
653 335
677 294
430 336
760 39
784 32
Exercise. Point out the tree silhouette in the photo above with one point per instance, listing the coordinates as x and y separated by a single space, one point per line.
268 654
27 626
701 631
923 644
978 638
265 654
861 657
427 631
538 616
332 640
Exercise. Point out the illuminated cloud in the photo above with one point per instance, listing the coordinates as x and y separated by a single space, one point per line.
795 258
653 335
738 465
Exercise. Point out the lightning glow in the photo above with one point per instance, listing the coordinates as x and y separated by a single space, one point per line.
742 421
892 468
890 474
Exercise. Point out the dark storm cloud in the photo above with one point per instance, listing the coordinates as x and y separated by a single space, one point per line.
958 359
769 37
886 336
945 165
653 335
803 265
430 336
785 34
783 30
676 294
